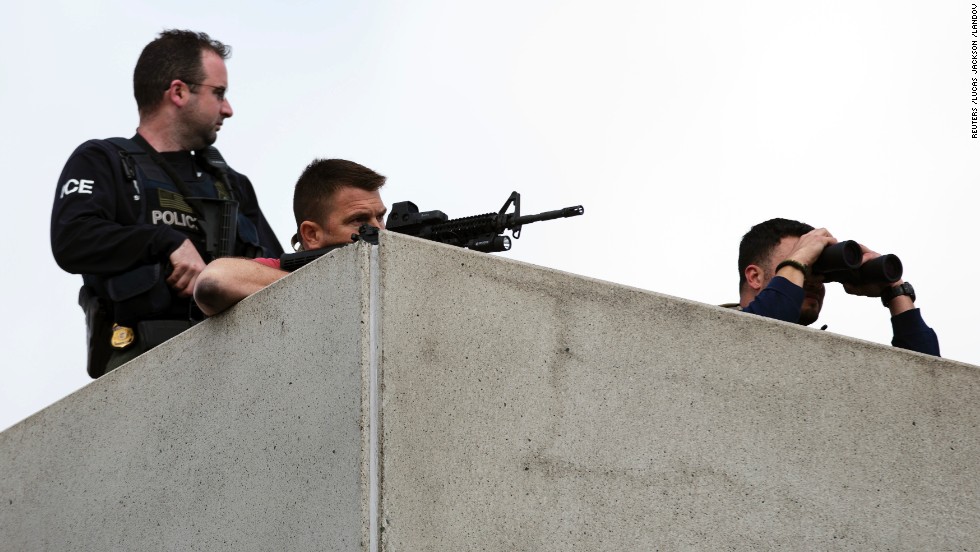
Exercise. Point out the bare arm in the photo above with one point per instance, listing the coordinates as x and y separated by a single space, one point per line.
227 281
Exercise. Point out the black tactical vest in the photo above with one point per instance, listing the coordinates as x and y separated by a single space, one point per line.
162 202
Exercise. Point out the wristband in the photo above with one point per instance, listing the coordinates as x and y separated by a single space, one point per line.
795 264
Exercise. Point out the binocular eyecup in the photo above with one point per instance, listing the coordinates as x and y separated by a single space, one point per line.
841 262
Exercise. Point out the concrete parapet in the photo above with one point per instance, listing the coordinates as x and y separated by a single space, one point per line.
414 396
241 434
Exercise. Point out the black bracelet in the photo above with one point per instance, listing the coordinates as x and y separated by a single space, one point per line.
795 264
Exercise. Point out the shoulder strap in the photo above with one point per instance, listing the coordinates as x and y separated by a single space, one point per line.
134 156
126 149
214 163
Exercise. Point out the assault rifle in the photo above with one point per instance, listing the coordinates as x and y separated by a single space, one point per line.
479 232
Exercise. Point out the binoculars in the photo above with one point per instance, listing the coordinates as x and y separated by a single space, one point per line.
841 262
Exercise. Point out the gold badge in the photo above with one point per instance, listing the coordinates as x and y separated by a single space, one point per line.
122 336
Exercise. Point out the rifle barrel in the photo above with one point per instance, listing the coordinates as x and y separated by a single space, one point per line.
551 215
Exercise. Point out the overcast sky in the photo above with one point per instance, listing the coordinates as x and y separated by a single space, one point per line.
678 125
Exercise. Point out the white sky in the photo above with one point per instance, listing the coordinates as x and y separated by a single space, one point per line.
678 125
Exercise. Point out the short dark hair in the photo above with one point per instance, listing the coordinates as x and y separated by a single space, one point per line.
175 54
761 240
320 181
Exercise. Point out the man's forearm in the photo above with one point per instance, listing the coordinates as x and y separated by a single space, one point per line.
226 281
910 332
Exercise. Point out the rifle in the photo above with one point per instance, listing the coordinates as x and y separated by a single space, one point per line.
291 261
478 232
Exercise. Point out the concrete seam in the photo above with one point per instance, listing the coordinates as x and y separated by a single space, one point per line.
374 350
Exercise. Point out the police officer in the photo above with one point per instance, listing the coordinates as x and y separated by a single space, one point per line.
139 218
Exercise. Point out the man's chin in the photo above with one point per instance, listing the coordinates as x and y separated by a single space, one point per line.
200 142
207 138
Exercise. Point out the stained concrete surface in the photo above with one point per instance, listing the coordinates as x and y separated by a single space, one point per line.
554 412
241 434
520 408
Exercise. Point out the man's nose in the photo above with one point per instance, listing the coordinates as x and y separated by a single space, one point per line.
226 109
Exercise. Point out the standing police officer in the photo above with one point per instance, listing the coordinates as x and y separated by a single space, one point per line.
139 218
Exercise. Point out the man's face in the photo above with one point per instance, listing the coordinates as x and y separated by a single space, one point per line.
813 287
349 208
207 108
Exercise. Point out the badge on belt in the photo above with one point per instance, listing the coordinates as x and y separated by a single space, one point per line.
122 336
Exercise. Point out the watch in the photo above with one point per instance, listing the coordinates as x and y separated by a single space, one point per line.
893 292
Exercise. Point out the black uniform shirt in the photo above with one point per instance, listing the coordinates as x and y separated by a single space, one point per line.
103 223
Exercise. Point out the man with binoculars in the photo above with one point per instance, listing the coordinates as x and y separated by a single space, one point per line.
783 265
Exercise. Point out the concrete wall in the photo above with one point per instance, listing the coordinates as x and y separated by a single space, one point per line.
554 412
419 397
241 434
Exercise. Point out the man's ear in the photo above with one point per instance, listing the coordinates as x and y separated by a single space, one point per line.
310 235
755 277
178 93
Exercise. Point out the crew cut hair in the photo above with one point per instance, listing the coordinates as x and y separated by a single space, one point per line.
761 240
175 54
320 181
